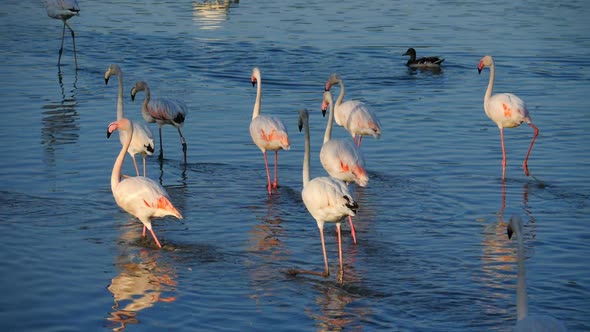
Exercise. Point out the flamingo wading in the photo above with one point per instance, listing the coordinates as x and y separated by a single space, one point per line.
142 140
353 115
506 110
268 132
327 199
525 321
139 196
63 10
341 158
162 111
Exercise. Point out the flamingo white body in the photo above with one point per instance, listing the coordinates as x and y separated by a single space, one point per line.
140 196
423 62
163 111
142 140
506 110
525 321
63 10
268 132
353 115
327 199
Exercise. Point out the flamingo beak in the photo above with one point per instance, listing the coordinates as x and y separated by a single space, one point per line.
479 68
509 231
106 80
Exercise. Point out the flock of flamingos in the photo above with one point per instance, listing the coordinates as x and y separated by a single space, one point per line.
327 198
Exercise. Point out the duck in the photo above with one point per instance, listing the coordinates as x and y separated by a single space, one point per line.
423 62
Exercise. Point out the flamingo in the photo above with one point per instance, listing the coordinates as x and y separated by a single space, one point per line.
506 110
526 322
341 158
139 196
327 199
142 140
63 10
423 62
268 132
353 115
162 111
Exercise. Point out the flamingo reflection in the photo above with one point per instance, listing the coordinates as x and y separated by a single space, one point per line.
209 15
142 282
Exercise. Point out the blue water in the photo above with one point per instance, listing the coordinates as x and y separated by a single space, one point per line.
432 250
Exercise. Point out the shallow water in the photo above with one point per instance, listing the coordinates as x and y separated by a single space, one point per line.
432 250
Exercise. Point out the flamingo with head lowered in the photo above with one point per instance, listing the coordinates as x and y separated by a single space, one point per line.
506 110
353 115
268 132
142 140
140 196
327 199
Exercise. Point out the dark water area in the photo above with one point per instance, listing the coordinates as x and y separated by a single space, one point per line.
432 251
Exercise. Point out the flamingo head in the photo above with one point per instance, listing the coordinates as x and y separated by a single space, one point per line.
327 101
303 118
334 79
112 70
121 124
139 86
255 78
486 61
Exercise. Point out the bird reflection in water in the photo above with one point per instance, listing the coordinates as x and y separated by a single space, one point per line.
60 121
142 282
210 15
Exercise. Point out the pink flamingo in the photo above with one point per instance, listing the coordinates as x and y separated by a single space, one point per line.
327 199
63 10
140 196
506 110
268 132
162 111
341 158
353 115
142 140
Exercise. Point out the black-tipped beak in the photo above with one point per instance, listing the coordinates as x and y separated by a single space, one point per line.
509 231
106 81
300 126
108 134
132 96
253 83
324 113
479 70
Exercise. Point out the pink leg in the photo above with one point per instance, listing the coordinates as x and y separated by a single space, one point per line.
143 231
267 173
326 268
135 164
526 159
341 272
503 152
360 139
276 183
155 238
352 231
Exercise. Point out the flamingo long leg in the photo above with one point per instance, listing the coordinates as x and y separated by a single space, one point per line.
326 268
136 168
183 142
526 159
269 186
341 272
276 183
143 234
73 43
352 231
61 48
144 158
155 238
161 148
503 152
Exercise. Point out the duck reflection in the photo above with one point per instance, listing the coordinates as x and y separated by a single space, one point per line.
60 120
210 15
142 282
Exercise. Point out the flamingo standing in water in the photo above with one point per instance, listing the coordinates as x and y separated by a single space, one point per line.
526 322
341 158
327 199
63 10
142 140
268 132
506 110
162 111
140 196
353 115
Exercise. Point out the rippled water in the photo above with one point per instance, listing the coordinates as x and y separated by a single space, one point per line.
432 252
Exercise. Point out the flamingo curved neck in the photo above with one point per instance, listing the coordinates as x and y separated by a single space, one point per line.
306 175
258 101
328 133
146 101
521 294
341 95
490 84
120 96
116 174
